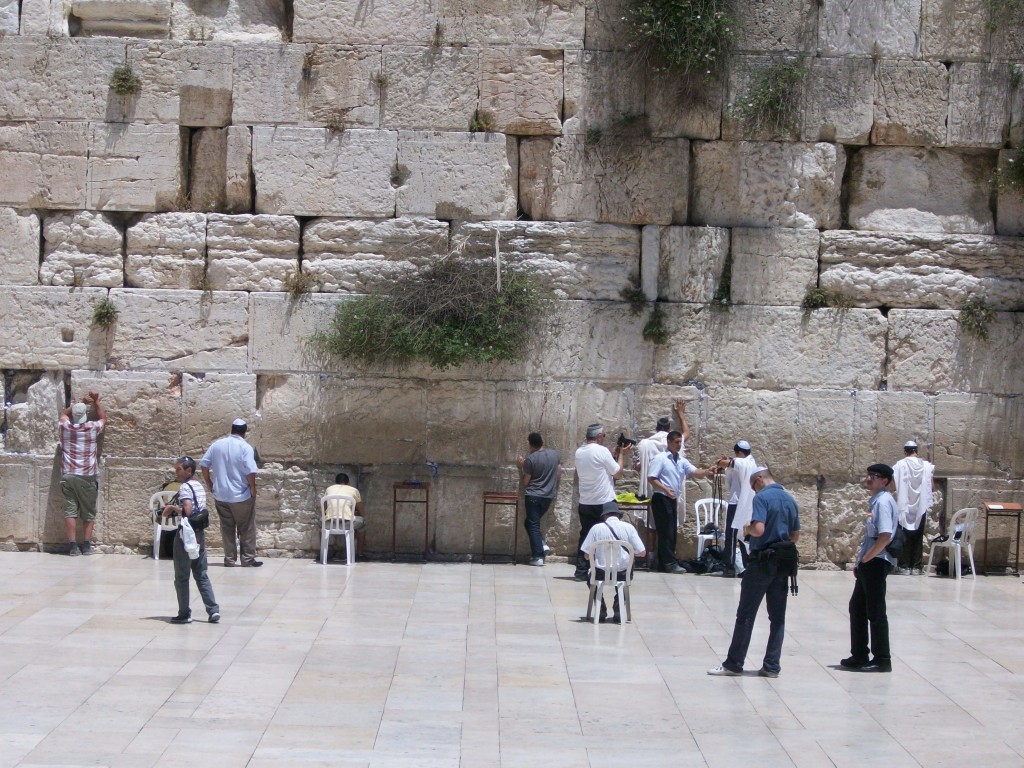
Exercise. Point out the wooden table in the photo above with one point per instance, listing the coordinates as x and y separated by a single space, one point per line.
1001 509
501 499
421 500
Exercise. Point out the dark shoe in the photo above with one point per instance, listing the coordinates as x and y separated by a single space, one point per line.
182 619
253 564
86 547
230 564
877 666
727 573
214 617
762 672
73 549
580 575
675 568
853 663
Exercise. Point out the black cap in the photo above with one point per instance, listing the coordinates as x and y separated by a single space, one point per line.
882 470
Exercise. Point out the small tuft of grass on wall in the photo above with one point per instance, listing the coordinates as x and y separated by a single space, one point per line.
437 41
124 81
654 329
682 36
337 120
975 317
104 314
299 283
820 298
634 294
1010 177
772 103
482 122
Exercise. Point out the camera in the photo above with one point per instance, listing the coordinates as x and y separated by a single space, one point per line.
623 441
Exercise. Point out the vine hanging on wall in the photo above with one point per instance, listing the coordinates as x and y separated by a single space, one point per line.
684 36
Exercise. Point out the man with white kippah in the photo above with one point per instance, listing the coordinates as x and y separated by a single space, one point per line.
741 501
596 472
232 463
913 478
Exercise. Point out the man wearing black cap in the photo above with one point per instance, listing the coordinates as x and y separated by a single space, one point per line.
596 472
867 604
232 463
913 478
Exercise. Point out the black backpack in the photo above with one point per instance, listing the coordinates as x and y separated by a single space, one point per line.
897 542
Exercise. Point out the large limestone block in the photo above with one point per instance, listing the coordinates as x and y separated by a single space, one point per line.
768 184
240 21
551 408
44 17
826 431
122 18
179 330
38 73
19 499
1009 201
353 22
872 27
251 253
210 403
430 89
954 30
689 261
911 103
134 167
773 266
83 248
343 85
288 524
746 73
884 421
842 509
555 24
839 101
522 89
125 490
684 107
143 411
602 91
930 352
773 347
923 270
460 425
279 327
312 172
19 247
267 83
32 418
962 492
207 178
605 28
9 17
617 180
575 261
185 83
766 420
44 165
238 188
1005 26
50 504
974 435
50 328
979 104
771 25
1017 112
356 255
920 190
167 250
456 175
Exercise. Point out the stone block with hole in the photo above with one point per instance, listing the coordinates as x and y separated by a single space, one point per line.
50 328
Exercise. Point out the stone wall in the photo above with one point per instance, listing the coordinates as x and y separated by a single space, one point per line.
333 139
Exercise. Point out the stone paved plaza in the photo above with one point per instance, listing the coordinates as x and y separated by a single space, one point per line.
487 665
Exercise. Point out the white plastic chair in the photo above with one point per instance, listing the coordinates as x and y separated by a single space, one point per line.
609 552
706 511
160 523
337 518
961 537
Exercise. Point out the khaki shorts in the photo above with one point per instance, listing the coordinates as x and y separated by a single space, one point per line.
80 492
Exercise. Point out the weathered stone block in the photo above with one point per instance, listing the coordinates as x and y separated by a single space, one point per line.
1010 201
211 403
768 184
746 75
353 22
339 86
232 20
19 500
312 172
1017 111
558 24
238 188
456 175
551 408
354 256
689 107
122 18
44 17
965 492
125 489
1007 41
207 179
576 261
251 253
770 25
973 435
38 71
930 352
884 421
134 167
773 266
143 411
50 503
839 101
689 261
911 102
179 330
772 347
184 83
605 28
923 270
32 419
19 247
979 104
167 250
920 190
825 433
842 509
872 27
44 165
954 30
9 16
267 84
279 327
618 180
82 248
767 420
602 91
50 328
430 89
522 90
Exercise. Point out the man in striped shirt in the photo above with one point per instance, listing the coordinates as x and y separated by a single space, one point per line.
79 468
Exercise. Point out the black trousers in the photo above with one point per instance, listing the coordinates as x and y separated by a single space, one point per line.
665 523
867 612
913 544
590 515
731 535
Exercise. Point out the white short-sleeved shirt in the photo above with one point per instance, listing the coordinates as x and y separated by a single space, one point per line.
595 469
613 528
230 460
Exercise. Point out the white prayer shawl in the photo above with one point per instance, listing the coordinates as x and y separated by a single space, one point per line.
743 468
646 450
913 476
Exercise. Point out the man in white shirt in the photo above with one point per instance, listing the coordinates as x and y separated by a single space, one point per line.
741 501
232 463
596 471
913 478
611 527
338 509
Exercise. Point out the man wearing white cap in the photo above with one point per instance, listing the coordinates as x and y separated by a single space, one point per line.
229 471
80 468
741 501
596 472
913 478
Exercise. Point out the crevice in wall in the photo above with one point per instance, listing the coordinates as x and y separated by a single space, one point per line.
289 21
883 379
844 190
819 540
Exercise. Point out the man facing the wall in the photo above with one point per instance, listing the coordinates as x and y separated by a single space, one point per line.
229 471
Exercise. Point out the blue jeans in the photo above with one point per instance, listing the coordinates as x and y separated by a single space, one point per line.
761 581
183 566
536 506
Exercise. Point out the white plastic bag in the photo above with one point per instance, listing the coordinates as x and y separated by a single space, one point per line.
188 538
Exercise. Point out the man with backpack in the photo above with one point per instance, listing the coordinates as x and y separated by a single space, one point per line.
874 562
612 527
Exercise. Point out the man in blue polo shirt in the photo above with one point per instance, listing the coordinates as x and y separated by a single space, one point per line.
667 473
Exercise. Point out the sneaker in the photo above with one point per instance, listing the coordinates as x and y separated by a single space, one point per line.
214 617
547 549
182 619
580 575
537 561
762 672
853 663
73 549
86 547
723 671
904 571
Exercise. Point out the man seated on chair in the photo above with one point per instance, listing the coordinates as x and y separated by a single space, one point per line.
336 509
612 527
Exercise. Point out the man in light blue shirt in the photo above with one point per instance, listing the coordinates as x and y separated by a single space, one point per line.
666 475
229 471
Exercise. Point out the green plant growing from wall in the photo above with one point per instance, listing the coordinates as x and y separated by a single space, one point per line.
821 298
104 314
634 294
975 317
1010 177
299 283
772 102
437 41
482 122
446 315
124 81
654 329
682 36
1004 14
337 120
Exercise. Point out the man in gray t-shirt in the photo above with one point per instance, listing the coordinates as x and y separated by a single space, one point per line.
540 471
